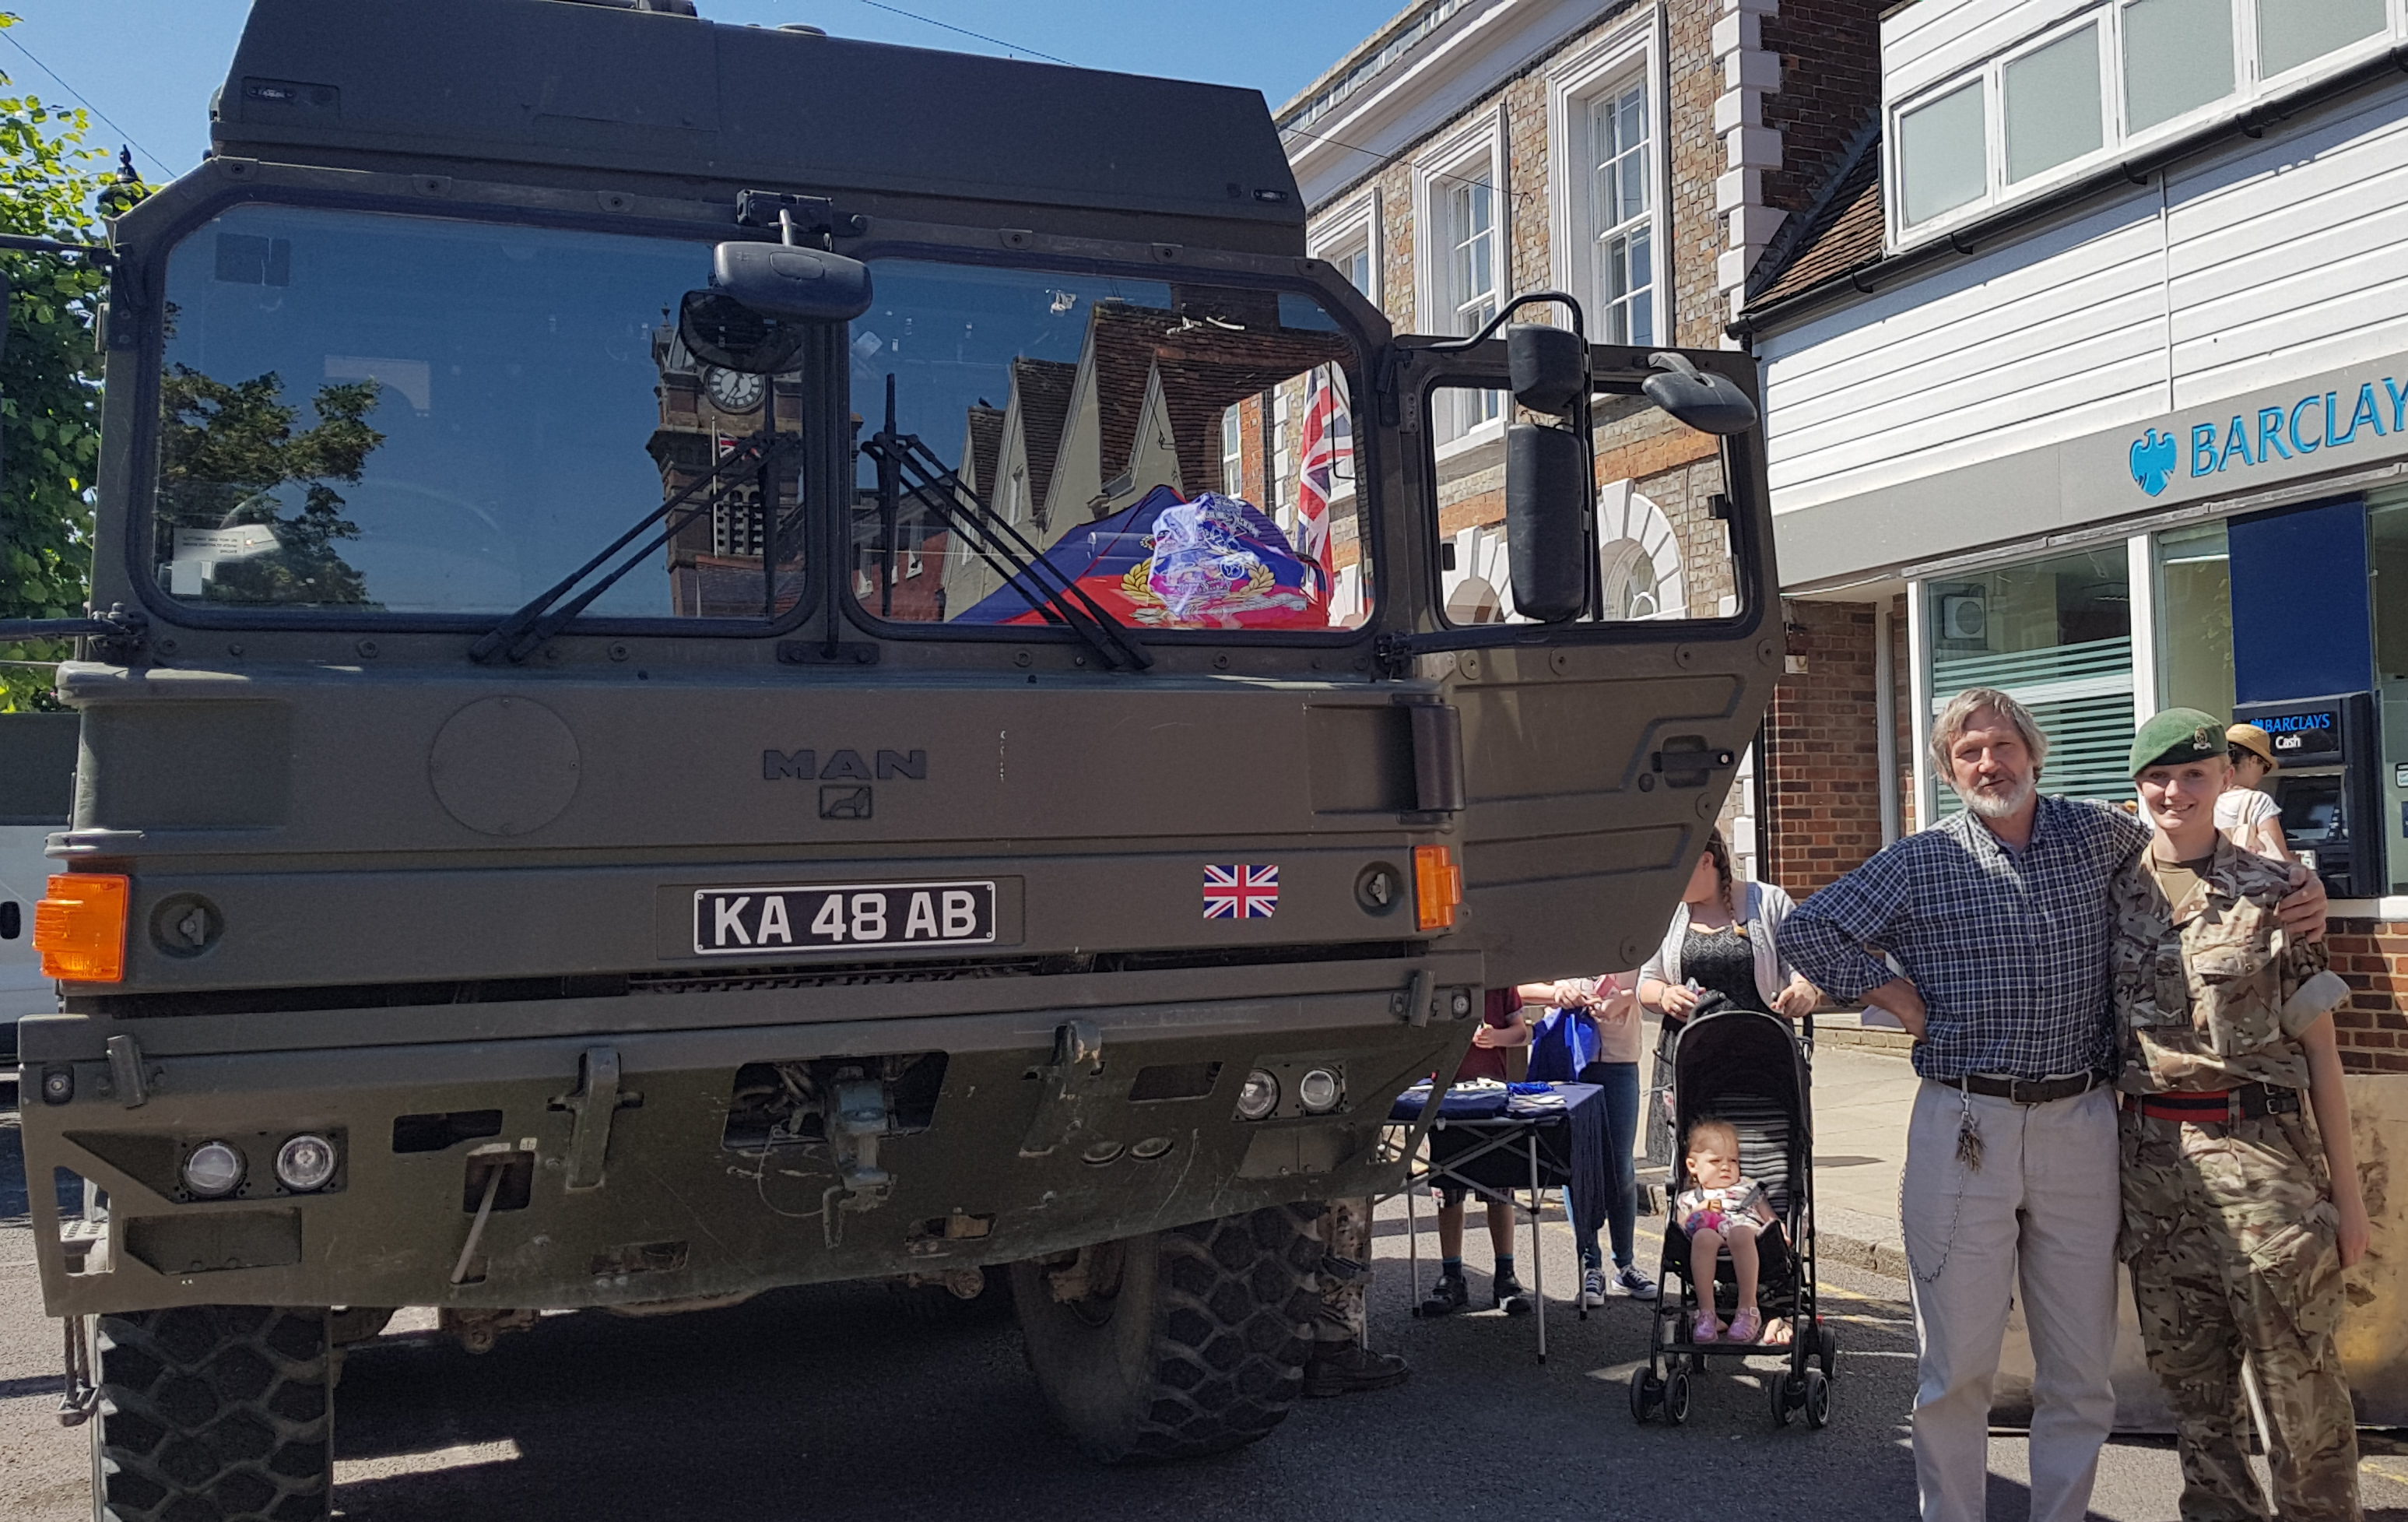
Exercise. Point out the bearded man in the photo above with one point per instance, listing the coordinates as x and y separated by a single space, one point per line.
1996 924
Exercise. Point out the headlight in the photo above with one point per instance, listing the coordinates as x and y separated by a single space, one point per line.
1259 1096
1318 1090
212 1169
304 1163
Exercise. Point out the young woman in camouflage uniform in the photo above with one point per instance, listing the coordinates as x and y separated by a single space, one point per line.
2242 1204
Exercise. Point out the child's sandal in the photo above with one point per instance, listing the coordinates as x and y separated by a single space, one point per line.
1707 1328
1747 1325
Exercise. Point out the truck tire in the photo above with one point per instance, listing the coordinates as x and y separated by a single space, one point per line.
1193 1341
213 1412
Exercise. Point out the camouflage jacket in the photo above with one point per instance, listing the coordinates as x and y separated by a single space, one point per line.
2211 992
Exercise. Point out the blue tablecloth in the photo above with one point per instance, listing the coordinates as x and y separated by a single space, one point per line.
1566 1121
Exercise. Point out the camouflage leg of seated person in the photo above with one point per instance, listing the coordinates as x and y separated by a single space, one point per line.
2283 1267
2187 1325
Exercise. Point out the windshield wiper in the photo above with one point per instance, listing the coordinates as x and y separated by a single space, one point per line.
909 467
523 632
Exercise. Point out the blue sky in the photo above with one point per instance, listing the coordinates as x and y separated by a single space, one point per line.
150 65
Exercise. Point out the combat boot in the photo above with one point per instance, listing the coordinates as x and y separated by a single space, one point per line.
1350 1369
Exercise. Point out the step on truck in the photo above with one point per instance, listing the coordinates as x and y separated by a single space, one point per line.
734 658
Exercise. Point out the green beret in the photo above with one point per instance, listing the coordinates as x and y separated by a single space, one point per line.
2176 736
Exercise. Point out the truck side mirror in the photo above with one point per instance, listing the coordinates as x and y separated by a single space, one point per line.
1546 521
1548 367
1708 403
764 300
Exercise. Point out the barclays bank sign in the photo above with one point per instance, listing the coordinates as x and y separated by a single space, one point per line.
2302 432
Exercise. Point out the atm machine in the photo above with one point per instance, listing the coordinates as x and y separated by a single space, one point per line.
2330 787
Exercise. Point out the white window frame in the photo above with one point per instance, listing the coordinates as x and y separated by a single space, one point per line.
1478 145
1233 450
1630 54
1350 226
2118 139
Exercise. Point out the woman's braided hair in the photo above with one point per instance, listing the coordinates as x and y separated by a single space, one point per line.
1720 851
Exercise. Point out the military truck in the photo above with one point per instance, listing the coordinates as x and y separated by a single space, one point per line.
736 658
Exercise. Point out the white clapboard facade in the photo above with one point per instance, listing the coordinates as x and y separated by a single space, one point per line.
2112 276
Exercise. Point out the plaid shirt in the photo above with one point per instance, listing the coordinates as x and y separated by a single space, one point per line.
2008 948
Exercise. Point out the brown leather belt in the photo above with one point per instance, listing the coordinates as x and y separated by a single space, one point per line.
2029 1090
2218 1106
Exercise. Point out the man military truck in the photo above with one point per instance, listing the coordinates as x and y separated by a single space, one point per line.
736 658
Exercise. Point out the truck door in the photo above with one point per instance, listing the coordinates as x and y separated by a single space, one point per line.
1597 752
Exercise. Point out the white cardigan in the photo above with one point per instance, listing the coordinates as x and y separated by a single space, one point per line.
1764 906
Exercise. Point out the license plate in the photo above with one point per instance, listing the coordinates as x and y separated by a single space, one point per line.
839 916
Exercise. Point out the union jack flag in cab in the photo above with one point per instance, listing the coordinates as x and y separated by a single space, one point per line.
1317 475
1240 892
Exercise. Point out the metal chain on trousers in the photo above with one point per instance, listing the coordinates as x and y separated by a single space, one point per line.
1969 1160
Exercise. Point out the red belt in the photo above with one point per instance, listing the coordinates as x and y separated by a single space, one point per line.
2218 1106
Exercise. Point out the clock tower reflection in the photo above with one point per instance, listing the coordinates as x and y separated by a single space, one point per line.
715 557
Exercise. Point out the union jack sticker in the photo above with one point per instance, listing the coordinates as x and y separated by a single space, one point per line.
1240 892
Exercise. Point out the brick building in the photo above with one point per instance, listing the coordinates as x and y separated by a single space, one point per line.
1645 156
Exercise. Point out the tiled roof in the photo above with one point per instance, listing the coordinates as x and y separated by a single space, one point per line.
1043 387
985 448
1844 232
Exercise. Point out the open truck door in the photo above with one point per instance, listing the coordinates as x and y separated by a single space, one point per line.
1601 620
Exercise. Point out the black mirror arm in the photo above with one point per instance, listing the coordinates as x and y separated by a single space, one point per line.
1532 298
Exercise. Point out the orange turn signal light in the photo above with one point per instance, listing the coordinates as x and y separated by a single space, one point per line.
80 926
1438 886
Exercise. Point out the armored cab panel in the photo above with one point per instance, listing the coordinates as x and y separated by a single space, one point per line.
621 93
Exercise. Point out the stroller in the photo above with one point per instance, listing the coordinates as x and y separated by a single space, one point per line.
1747 1069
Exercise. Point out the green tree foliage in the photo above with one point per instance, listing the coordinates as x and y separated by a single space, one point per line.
51 185
229 449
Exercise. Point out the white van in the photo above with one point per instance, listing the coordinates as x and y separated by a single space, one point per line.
38 755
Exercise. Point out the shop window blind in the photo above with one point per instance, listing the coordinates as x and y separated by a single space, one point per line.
2082 696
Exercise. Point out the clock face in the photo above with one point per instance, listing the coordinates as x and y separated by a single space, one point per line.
732 390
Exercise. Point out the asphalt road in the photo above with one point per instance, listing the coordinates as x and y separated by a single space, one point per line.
831 1403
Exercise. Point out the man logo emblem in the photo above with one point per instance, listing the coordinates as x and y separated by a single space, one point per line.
2152 461
844 803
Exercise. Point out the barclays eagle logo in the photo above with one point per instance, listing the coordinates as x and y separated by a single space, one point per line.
2152 461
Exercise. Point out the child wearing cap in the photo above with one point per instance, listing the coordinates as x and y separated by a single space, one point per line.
2243 811
2242 1203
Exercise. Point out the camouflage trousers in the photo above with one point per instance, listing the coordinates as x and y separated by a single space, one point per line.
2231 1238
1346 1275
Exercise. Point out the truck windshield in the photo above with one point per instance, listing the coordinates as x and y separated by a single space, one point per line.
390 414
1181 452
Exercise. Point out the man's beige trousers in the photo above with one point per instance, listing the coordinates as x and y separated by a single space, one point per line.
2042 1208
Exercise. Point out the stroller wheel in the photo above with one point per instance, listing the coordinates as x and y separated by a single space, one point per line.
1786 1395
1676 1398
1818 1399
1827 1350
1647 1395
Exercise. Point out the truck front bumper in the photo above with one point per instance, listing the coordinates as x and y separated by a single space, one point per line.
605 1166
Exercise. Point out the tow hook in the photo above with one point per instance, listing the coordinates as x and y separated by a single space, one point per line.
859 1114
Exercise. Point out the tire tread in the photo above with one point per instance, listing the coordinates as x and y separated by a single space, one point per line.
217 1411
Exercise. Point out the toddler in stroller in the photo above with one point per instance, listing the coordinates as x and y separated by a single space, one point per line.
1740 1085
1722 1211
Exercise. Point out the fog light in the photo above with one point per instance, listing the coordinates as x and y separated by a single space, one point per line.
1318 1090
213 1169
304 1163
1259 1096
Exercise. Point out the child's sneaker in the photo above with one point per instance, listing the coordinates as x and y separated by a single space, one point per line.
1448 1296
1634 1283
1592 1289
1508 1296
